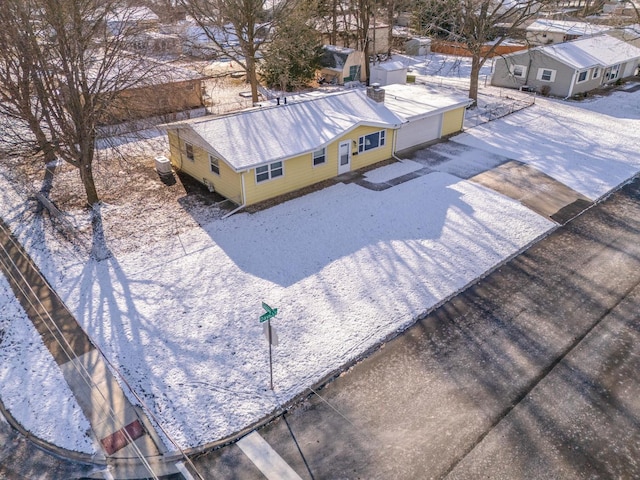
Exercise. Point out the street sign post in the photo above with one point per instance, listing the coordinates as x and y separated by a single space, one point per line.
266 317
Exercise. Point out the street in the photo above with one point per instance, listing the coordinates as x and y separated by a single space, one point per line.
530 373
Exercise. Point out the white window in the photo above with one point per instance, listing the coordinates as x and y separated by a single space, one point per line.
612 73
582 76
373 140
519 71
189 152
596 72
266 172
214 164
546 75
319 156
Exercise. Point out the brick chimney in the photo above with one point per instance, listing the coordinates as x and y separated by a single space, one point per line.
375 92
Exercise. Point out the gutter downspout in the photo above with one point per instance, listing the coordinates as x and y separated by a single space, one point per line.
244 201
573 82
393 147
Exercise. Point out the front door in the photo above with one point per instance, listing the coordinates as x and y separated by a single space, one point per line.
344 157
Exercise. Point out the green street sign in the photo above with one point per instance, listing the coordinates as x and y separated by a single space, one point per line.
271 312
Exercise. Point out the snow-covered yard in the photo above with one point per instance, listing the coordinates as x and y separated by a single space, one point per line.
345 266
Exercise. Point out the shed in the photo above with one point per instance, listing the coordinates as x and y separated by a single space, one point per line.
341 64
388 73
418 46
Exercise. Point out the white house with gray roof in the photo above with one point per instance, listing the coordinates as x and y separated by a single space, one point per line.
569 68
545 31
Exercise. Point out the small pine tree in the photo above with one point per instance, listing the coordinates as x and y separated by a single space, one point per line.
292 58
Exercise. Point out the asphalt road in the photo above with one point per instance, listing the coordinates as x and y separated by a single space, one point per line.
530 373
21 459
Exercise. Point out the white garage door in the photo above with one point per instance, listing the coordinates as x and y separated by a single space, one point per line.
419 131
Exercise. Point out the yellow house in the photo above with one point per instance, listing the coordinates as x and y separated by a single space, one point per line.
258 154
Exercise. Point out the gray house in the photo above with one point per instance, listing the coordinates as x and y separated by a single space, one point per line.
569 68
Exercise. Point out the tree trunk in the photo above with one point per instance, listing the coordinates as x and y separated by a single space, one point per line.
334 22
252 78
86 175
475 73
390 12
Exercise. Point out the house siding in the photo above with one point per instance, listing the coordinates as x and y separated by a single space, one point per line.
227 184
533 60
590 83
299 172
452 121
144 102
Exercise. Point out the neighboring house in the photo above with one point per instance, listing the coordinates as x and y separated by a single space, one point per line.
427 117
544 32
387 73
569 68
621 8
341 64
157 43
159 90
418 46
132 18
197 40
629 34
255 155
347 33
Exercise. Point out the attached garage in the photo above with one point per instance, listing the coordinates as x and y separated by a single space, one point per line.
427 116
417 131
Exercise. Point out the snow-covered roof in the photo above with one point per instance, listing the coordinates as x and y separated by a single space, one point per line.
586 52
391 66
255 137
411 102
133 14
566 27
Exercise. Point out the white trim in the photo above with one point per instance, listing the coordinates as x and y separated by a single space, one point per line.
211 165
313 158
540 74
512 69
269 172
586 76
187 146
382 140
347 167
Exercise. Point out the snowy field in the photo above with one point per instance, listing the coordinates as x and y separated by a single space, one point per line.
345 266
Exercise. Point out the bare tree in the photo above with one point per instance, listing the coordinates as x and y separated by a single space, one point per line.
62 68
474 23
238 28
